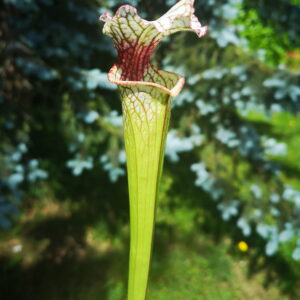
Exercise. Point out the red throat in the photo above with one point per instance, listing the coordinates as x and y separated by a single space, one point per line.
134 60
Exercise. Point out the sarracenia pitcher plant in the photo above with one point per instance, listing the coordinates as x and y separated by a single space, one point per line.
146 94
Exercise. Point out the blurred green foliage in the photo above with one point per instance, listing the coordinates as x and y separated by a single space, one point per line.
232 160
275 32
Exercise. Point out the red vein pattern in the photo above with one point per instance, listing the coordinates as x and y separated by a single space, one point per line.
136 38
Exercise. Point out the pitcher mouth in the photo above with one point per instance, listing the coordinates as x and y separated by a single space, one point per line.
168 82
135 39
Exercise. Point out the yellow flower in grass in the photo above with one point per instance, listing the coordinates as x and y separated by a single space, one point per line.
243 246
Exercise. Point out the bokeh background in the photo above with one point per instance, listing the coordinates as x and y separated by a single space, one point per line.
228 220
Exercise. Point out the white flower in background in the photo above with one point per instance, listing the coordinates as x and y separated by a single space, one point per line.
78 164
114 118
114 172
272 147
17 248
229 209
256 191
91 117
176 144
244 226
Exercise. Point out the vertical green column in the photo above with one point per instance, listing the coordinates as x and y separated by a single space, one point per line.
146 113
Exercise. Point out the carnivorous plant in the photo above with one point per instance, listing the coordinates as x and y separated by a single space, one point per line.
146 94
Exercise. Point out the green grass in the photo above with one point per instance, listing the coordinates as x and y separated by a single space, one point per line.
187 263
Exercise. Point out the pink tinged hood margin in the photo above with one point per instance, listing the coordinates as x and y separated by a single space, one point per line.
136 38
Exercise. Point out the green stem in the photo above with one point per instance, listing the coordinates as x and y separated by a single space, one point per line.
146 113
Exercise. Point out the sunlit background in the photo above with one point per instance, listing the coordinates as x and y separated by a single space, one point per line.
228 219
